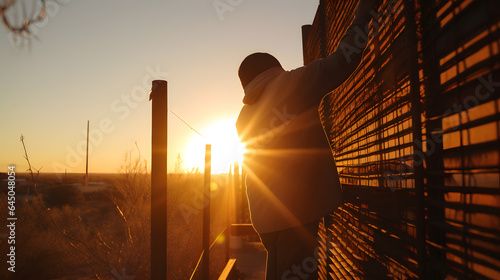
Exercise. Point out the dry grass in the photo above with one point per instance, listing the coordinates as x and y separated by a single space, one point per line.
108 233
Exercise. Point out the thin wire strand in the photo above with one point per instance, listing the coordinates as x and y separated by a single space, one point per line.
186 123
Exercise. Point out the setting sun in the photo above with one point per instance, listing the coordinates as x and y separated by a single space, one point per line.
226 147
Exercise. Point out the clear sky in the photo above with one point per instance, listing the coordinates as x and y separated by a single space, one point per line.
95 60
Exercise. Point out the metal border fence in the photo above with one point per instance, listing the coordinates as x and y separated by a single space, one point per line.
416 135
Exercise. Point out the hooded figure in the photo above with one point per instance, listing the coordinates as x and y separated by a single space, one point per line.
292 179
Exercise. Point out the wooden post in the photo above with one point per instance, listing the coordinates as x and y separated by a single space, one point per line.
159 181
206 214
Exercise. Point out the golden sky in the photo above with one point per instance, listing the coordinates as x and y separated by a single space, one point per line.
95 60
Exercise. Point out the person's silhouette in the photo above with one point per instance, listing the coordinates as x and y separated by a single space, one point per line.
292 179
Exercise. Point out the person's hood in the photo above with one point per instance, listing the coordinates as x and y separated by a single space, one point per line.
256 87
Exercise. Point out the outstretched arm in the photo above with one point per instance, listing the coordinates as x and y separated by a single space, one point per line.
326 74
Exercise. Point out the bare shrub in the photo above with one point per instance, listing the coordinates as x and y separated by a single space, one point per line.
109 233
59 195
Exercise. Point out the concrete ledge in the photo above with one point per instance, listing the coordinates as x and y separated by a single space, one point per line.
229 271
242 229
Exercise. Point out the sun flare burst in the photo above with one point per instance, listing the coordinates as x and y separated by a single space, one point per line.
226 147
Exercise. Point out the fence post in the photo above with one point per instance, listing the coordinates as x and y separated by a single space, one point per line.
322 20
306 30
87 157
243 195
434 162
206 214
237 198
159 180
229 193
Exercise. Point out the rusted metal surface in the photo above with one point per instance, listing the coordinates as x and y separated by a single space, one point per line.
416 134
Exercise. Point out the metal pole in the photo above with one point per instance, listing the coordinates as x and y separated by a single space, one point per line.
323 31
416 109
159 181
434 162
306 30
237 189
206 214
87 158
243 195
228 226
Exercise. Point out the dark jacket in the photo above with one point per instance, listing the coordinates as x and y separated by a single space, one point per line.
292 178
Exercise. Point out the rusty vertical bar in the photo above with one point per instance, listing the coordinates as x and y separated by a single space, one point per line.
87 157
237 197
434 168
159 181
416 110
306 30
322 24
206 214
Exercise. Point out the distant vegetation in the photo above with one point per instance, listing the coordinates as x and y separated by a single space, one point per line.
64 233
60 195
